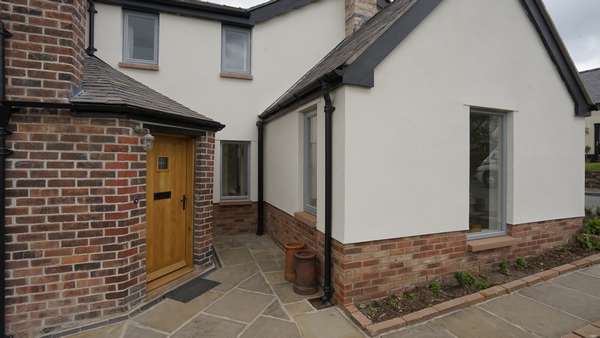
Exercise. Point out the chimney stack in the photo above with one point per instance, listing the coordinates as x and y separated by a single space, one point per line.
44 55
358 12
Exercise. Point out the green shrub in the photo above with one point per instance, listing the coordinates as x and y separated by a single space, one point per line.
435 287
503 268
464 279
521 263
409 296
481 283
588 237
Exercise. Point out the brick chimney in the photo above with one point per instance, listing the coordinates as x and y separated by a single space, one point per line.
44 55
358 12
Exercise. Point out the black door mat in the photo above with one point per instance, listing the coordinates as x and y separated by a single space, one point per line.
191 289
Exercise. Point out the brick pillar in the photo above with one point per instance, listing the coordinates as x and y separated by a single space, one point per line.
44 56
358 12
203 196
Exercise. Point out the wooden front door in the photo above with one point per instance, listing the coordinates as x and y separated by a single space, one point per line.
169 206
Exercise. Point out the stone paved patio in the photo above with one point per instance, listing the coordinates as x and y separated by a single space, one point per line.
254 300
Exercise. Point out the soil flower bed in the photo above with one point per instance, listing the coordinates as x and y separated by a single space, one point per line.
465 283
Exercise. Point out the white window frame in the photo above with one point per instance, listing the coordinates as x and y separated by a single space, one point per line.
126 43
503 177
248 31
246 145
306 144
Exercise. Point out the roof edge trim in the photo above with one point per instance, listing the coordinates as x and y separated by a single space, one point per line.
361 72
539 17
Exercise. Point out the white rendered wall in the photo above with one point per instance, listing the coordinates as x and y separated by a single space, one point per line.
284 162
283 49
407 139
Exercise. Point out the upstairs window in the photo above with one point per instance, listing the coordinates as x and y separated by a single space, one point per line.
235 50
140 38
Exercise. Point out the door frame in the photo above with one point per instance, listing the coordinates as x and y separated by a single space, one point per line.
189 213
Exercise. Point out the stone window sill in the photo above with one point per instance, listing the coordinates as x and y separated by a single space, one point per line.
306 218
239 76
234 202
141 66
491 243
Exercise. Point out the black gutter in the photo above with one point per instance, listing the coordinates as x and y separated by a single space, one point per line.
327 266
260 226
4 152
90 50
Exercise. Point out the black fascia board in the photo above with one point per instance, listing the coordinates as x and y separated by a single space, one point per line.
542 22
269 10
310 92
145 115
361 72
195 10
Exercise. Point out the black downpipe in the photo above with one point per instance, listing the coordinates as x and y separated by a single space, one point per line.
4 152
260 212
90 50
327 283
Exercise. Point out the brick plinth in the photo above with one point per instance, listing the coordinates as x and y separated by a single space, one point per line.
375 269
235 218
76 219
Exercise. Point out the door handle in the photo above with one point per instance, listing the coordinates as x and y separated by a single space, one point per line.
183 201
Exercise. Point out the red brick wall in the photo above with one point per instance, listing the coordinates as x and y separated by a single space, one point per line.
75 233
76 219
231 219
203 194
375 269
44 56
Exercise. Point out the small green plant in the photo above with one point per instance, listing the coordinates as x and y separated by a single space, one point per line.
464 279
481 283
393 302
503 268
436 288
589 237
409 296
521 263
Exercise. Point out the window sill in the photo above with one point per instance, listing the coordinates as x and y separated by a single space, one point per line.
138 66
239 76
490 243
306 218
226 203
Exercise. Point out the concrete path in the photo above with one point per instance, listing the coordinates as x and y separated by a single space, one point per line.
254 301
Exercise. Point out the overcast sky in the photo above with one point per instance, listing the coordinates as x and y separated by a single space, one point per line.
578 22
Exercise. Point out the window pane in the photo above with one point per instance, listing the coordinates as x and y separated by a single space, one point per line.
140 37
236 50
486 173
311 165
234 170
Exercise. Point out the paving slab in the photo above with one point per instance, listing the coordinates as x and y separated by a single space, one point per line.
271 265
574 302
581 282
209 327
476 323
275 277
265 327
420 331
231 276
102 332
286 293
328 323
299 308
275 310
169 314
256 283
132 331
240 305
235 256
588 331
593 270
532 316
